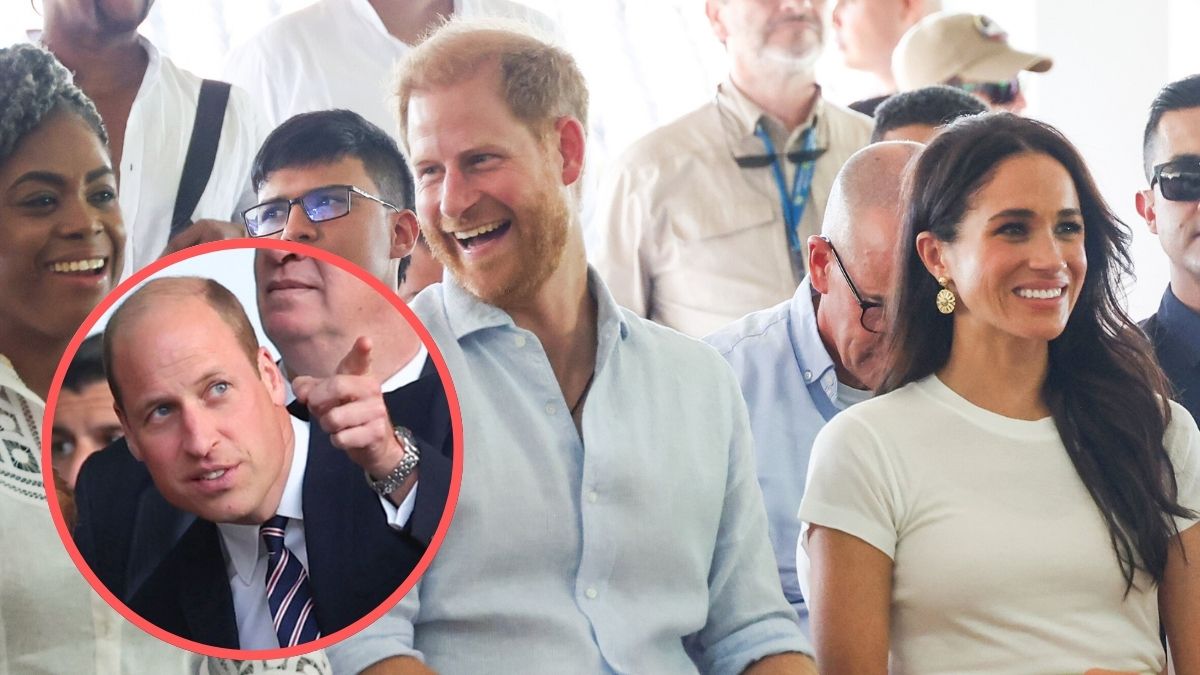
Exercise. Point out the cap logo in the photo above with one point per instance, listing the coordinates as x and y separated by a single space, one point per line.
989 29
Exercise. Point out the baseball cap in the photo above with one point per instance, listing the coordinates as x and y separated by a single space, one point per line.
968 46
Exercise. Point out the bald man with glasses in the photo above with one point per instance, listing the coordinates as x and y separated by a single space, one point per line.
805 360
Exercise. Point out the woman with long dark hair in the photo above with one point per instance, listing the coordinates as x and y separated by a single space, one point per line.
1022 496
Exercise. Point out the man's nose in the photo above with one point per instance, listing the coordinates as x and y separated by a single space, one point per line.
458 194
200 432
298 227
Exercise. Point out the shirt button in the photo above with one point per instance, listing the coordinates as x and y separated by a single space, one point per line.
519 341
592 497
550 408
591 593
808 376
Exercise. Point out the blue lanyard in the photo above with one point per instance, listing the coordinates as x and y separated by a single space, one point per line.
793 203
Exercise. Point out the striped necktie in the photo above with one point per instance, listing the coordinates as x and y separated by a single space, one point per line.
288 593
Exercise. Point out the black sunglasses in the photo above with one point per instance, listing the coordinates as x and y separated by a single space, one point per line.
1178 180
319 204
872 317
999 93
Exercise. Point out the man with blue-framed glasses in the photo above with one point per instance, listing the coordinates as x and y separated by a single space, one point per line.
1171 207
351 184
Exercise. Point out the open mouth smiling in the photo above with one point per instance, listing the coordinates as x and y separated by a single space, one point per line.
484 233
81 267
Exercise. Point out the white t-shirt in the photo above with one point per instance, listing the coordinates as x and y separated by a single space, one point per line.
1002 561
156 142
338 54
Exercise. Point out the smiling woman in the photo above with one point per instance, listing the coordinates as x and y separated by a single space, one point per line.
61 239
1021 496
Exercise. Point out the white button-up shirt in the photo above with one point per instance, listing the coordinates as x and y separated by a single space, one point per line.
685 237
156 142
338 54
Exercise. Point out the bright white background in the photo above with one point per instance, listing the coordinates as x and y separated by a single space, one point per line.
649 61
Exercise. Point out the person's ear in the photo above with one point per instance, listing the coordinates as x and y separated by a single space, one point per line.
404 233
1144 201
932 252
572 140
820 259
269 373
712 9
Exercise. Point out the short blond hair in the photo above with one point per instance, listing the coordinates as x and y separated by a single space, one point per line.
540 81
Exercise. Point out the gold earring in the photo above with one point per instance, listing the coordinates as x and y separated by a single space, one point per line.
945 297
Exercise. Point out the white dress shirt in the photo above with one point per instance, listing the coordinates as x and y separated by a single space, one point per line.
156 142
338 54
685 237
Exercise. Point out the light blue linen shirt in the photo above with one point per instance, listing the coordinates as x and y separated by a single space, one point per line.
791 390
641 548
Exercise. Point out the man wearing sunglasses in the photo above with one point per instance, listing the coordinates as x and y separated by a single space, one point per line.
1171 207
969 52
806 359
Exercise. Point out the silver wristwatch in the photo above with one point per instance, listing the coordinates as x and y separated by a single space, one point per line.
412 456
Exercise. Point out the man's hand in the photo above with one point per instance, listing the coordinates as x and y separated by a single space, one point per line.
350 408
203 231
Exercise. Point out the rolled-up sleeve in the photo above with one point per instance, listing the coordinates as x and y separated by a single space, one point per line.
390 636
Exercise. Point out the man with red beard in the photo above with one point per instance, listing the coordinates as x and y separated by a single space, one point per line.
609 520
150 107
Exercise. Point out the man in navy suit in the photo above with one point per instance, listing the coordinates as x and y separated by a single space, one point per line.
210 426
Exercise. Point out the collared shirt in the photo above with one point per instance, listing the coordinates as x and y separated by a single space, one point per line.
246 554
338 54
1175 331
156 141
639 546
685 237
791 391
51 621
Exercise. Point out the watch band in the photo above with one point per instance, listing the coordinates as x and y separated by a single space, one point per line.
412 456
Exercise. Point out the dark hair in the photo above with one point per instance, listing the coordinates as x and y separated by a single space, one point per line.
1177 95
33 84
87 368
1103 387
932 106
157 295
327 136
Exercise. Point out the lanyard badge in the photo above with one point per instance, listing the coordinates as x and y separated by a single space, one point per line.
793 201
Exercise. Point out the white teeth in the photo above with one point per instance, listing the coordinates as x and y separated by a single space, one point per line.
78 265
1039 294
213 475
478 231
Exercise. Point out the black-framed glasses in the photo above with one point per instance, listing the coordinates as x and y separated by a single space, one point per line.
999 93
872 318
1178 180
320 204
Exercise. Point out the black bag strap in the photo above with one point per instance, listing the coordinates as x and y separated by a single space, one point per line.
201 152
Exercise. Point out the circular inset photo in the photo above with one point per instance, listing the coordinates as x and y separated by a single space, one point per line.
257 448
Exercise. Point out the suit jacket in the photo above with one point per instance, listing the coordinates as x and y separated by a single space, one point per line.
167 565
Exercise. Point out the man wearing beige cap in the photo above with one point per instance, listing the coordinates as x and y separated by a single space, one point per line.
968 51
704 220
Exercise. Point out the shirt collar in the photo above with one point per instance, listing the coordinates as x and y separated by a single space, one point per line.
745 113
811 356
468 314
243 546
1181 322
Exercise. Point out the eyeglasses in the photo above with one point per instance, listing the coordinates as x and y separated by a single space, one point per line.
999 93
872 317
319 204
1179 180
